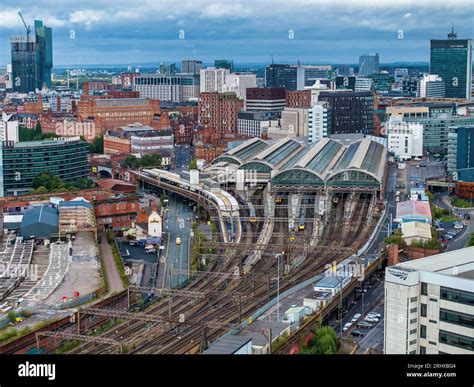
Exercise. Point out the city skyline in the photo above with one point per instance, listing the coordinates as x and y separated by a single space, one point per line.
104 32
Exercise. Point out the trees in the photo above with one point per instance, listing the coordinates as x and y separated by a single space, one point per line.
47 182
324 342
193 164
152 160
97 145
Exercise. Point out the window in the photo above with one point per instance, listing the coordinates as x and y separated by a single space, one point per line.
424 288
457 296
413 321
413 331
423 331
422 350
456 340
424 310
413 310
433 321
433 300
414 299
457 318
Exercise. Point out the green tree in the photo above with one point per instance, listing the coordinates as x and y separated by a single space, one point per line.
193 164
97 145
47 180
324 342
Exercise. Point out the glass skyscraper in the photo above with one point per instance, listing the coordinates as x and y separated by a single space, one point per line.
281 75
451 59
32 59
368 64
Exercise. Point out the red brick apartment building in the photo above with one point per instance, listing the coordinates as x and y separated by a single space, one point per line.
219 111
298 99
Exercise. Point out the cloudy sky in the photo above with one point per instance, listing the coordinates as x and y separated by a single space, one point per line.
314 31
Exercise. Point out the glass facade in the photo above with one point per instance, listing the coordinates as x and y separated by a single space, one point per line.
281 75
452 317
456 340
459 296
22 162
32 61
451 59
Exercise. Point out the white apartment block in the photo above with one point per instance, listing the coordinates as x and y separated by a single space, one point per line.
319 121
363 84
212 80
431 86
9 128
404 139
238 83
429 305
175 88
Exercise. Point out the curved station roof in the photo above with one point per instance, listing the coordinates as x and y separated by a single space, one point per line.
328 162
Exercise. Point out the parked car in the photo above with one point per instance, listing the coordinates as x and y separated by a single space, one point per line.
439 228
356 317
346 327
452 233
447 237
458 226
372 319
357 333
364 324
467 216
378 315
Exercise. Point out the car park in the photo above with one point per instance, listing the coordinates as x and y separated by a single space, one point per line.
357 333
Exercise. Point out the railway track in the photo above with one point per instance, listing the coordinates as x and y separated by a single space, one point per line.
140 337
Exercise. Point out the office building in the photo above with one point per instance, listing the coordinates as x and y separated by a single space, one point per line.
239 83
431 86
345 70
252 124
382 82
298 99
294 123
282 75
461 153
22 161
308 74
219 111
32 59
400 74
346 82
191 66
364 84
404 140
265 99
112 113
137 139
9 128
436 130
351 112
224 64
429 305
319 121
451 59
212 79
369 64
168 69
175 88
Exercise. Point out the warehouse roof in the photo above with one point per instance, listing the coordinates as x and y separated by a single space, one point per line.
227 345
413 208
40 215
416 230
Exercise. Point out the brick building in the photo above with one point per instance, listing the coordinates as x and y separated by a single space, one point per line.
298 99
219 111
111 113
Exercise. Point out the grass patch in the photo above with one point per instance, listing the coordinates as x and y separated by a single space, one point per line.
103 274
461 203
471 240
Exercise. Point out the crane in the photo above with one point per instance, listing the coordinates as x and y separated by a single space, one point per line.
28 29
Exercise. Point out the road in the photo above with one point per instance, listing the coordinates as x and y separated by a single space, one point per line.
177 223
110 269
183 157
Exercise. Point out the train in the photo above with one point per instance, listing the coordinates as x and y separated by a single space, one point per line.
302 223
